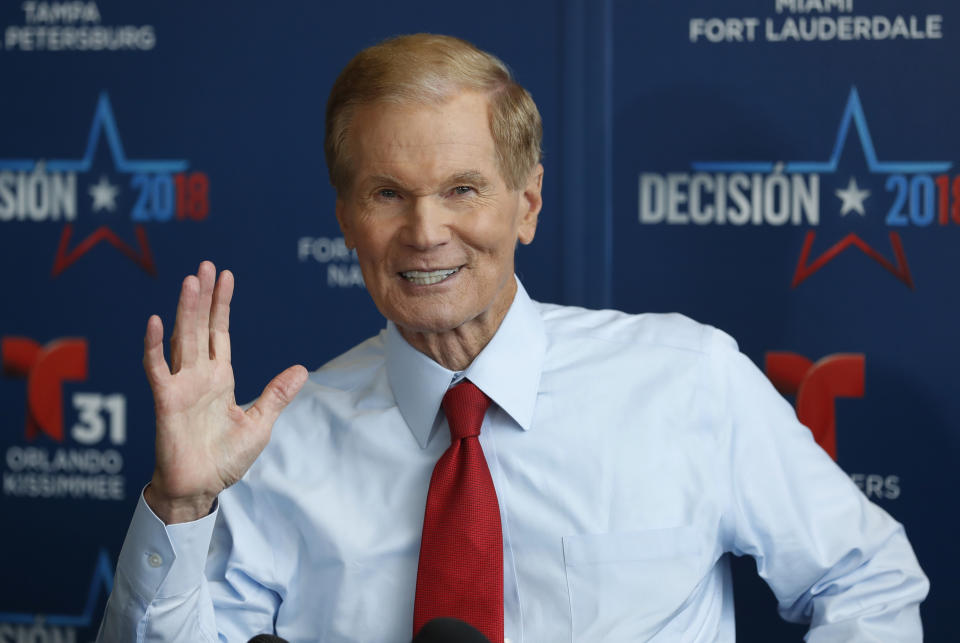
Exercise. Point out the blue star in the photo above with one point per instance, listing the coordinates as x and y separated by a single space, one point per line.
853 113
100 583
105 124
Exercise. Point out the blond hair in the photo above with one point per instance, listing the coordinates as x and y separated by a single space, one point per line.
428 68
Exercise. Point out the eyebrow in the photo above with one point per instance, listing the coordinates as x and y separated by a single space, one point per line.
474 177
377 179
470 176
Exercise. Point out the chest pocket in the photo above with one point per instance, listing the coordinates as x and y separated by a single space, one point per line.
627 586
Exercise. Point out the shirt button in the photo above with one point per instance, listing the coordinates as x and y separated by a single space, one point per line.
155 560
506 640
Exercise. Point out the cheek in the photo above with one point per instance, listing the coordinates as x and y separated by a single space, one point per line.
492 235
372 242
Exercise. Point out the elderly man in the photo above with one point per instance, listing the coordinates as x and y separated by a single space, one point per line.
543 473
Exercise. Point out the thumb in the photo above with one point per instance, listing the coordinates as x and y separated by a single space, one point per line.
278 393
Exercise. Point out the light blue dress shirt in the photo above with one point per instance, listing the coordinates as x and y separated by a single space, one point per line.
630 454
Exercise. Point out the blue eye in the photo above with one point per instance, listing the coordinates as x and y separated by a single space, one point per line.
387 194
462 189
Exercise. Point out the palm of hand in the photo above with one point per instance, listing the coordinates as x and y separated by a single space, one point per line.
205 442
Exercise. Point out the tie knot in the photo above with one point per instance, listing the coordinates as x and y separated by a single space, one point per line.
464 406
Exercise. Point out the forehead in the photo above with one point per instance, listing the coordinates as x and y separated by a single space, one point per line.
423 141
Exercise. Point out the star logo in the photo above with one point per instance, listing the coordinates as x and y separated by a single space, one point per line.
104 195
852 198
101 584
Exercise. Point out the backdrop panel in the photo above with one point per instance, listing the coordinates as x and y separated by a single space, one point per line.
787 171
795 188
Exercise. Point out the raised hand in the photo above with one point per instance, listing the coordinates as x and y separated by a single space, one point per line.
205 442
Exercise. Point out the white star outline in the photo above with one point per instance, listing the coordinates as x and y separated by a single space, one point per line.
852 198
104 195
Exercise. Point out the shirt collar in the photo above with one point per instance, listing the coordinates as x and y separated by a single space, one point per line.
507 370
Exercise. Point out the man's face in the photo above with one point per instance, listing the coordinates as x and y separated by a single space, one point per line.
433 222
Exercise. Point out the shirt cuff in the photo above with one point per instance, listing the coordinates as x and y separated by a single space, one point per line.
161 560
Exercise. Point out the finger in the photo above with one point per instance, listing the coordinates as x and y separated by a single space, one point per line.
153 362
207 274
183 343
278 393
220 317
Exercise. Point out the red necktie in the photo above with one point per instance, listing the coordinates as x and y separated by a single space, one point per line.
461 555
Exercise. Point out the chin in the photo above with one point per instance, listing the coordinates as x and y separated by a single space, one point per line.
427 325
437 317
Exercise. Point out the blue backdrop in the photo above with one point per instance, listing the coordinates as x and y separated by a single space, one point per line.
783 169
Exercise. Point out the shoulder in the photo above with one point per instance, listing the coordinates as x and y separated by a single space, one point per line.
353 368
336 388
328 404
666 331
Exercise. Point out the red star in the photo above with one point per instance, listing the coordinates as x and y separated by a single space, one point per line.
65 257
901 271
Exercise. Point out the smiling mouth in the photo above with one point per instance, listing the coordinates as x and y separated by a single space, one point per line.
428 277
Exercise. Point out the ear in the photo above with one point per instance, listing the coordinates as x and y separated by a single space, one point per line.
342 219
530 201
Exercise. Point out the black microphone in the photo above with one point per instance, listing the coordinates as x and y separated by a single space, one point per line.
267 638
449 630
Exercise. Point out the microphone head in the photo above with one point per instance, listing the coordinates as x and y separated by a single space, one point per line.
267 638
449 630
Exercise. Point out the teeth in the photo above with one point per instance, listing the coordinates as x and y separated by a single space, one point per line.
426 278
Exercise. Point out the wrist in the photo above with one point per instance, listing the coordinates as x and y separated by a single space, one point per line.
177 510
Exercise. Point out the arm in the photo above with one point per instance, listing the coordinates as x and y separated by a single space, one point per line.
205 442
160 574
832 558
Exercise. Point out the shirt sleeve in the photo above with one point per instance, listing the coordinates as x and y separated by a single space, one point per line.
832 558
162 593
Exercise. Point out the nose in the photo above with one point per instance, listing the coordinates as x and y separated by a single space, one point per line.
427 224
